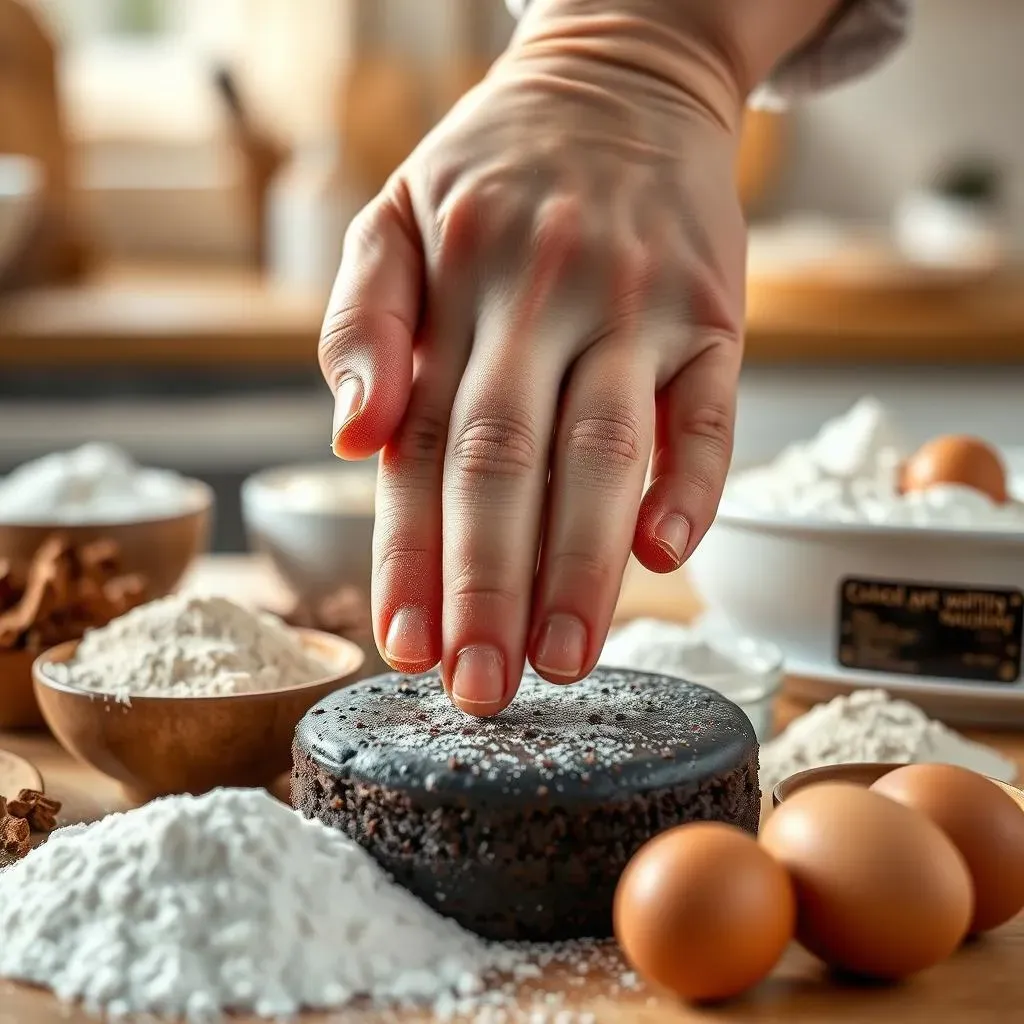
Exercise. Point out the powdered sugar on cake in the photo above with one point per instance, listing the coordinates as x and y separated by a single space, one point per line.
549 733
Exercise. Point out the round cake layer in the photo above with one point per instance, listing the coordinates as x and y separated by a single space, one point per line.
584 743
519 826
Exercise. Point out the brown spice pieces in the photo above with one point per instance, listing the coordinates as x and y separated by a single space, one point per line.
32 811
15 833
38 809
66 590
345 613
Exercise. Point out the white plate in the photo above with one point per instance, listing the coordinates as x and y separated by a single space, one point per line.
957 703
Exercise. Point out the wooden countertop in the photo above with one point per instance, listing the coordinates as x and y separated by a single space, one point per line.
982 984
211 317
154 317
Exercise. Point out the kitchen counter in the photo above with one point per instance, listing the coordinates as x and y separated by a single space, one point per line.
983 983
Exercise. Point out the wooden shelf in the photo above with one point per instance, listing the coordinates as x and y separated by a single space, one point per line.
205 318
159 317
815 323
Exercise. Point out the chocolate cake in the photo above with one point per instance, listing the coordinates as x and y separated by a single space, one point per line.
519 826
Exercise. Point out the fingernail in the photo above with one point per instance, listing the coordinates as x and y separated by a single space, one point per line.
348 400
562 647
672 535
478 684
408 639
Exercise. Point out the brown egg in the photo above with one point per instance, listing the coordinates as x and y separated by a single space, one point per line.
956 460
985 824
704 912
880 890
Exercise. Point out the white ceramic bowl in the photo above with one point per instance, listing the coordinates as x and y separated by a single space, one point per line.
781 581
316 524
21 184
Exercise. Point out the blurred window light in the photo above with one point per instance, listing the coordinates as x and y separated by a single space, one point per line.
141 68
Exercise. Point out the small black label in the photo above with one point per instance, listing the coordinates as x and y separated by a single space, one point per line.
923 629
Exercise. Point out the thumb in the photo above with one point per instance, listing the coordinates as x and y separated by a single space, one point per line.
367 337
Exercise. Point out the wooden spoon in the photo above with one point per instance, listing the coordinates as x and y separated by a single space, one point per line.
17 774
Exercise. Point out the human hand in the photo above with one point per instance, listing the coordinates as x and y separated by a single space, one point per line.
550 287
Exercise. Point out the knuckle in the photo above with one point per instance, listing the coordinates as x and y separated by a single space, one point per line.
582 569
395 559
639 262
635 276
350 335
467 587
560 226
712 423
422 439
494 446
610 441
364 230
343 332
698 484
457 227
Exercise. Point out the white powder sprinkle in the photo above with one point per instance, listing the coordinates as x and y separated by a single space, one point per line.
849 473
184 646
868 726
95 483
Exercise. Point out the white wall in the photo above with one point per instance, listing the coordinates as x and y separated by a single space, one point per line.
957 88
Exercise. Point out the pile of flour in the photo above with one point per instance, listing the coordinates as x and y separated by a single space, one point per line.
95 483
230 901
744 670
849 473
184 646
870 726
690 652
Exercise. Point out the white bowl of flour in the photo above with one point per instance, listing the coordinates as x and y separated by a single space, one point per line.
819 553
316 524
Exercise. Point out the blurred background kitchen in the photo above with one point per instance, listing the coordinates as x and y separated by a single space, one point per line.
176 177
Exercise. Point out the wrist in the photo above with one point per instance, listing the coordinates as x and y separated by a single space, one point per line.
720 50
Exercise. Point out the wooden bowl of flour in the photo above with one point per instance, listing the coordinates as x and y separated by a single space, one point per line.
158 746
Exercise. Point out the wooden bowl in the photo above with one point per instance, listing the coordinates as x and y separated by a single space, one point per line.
157 746
861 774
18 706
159 549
